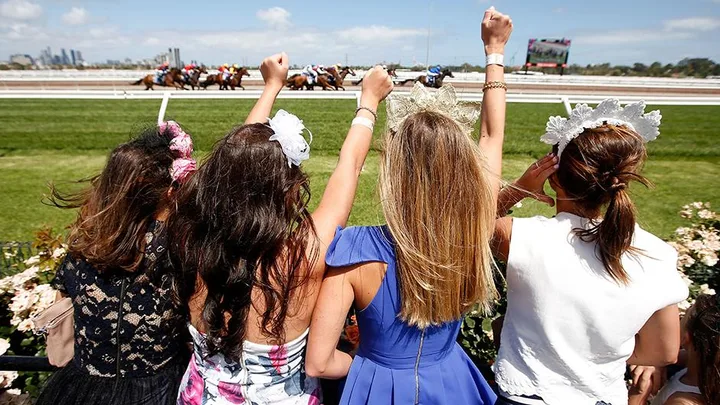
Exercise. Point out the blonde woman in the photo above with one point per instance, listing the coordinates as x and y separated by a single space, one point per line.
414 279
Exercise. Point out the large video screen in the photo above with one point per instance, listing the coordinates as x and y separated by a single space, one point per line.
548 52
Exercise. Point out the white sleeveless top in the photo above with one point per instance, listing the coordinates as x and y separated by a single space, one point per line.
673 386
266 375
569 327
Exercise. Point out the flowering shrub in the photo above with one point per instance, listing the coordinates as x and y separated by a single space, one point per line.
698 246
24 295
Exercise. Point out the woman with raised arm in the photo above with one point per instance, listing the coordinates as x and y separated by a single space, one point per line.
412 280
247 250
589 291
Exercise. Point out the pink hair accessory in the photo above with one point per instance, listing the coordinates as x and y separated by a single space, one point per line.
181 168
182 144
171 126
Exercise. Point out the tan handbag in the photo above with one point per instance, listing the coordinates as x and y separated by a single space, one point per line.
58 325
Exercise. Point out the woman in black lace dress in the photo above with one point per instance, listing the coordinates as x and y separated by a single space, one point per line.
130 346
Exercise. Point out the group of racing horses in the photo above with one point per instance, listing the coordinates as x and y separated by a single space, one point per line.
333 79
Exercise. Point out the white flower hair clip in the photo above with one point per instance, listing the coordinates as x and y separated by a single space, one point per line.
560 131
288 130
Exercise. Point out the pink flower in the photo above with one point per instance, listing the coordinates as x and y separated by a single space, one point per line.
231 392
278 357
183 145
171 126
192 392
181 168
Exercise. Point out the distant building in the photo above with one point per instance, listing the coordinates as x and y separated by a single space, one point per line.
174 57
65 60
22 60
79 58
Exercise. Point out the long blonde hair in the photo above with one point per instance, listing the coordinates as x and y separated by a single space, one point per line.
438 203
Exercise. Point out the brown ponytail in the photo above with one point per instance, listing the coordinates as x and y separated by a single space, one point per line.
703 326
595 169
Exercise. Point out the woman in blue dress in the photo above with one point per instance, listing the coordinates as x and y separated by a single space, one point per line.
412 280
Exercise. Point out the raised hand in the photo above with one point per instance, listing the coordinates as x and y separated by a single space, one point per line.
532 182
376 85
495 31
274 70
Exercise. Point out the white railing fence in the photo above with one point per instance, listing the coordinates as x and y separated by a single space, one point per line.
165 96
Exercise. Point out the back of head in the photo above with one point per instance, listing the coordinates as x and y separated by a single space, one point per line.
440 210
242 222
115 211
703 328
595 170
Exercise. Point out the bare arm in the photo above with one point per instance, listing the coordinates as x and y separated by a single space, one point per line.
496 29
336 297
336 203
658 342
274 71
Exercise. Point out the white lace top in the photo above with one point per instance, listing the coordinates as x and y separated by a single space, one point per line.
673 386
569 328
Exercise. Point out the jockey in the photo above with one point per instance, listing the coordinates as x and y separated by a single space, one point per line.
225 70
310 73
161 71
234 69
320 70
432 73
188 70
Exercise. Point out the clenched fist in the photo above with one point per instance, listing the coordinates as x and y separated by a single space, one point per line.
274 70
495 31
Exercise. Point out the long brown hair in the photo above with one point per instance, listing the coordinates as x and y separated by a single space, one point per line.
117 207
242 222
595 170
703 326
436 196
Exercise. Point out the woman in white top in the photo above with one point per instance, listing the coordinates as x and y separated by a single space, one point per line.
249 255
589 291
699 383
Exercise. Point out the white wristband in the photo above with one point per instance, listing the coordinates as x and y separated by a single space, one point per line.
495 59
366 122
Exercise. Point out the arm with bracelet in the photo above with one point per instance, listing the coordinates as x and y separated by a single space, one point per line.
336 203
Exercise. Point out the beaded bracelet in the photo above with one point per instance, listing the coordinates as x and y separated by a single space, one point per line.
495 85
374 114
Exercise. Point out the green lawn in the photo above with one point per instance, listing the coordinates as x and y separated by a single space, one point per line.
66 140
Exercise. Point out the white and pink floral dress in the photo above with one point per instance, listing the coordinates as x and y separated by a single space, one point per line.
266 375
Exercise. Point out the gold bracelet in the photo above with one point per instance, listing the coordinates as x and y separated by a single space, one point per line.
495 85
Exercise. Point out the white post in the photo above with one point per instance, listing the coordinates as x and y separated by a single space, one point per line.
566 103
163 107
357 95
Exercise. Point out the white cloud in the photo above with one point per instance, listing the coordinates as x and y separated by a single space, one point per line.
76 16
20 10
630 37
378 33
152 41
693 24
275 17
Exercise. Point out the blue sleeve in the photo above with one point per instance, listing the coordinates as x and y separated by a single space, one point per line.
361 244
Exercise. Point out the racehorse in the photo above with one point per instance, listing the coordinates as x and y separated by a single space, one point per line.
337 78
211 79
391 73
436 84
299 80
194 79
235 80
173 78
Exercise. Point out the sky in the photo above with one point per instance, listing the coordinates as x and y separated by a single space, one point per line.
360 32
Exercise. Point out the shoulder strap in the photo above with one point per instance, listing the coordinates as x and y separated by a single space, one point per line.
356 245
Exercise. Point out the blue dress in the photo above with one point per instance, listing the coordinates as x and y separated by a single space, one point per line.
397 363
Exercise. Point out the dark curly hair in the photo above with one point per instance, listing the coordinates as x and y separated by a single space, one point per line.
242 223
702 324
117 207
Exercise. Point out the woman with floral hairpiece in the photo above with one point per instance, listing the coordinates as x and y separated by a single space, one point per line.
589 291
128 349
247 250
413 280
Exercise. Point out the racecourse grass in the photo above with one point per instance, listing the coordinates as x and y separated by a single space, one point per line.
65 140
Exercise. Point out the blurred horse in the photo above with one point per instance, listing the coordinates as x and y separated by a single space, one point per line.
235 80
298 81
173 78
437 83
391 73
193 80
337 78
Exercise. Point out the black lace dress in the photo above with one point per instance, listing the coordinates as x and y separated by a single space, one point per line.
139 359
